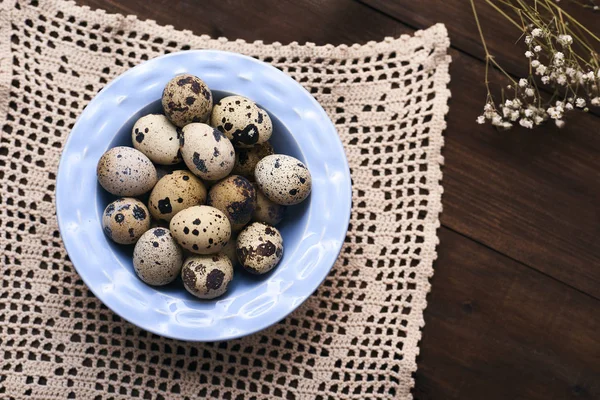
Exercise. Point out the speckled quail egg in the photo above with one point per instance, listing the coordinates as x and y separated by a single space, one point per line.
259 248
242 121
125 171
229 249
201 229
125 220
186 99
236 197
175 192
267 211
157 258
206 151
283 179
207 277
246 159
156 137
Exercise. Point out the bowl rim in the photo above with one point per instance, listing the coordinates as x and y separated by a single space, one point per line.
344 203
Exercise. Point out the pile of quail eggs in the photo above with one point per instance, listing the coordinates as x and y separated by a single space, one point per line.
216 190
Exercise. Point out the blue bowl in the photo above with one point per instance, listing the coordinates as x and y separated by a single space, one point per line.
313 231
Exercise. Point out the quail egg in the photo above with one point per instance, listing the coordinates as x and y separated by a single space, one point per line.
157 258
125 171
125 220
259 248
246 159
236 197
206 151
157 138
267 211
201 229
242 121
187 99
175 192
207 277
283 179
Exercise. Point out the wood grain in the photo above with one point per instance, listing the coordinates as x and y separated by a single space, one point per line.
532 195
320 22
496 330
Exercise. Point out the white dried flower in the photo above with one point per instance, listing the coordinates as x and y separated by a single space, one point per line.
528 113
589 76
541 69
528 54
565 40
561 79
537 49
497 120
569 106
488 107
481 119
595 101
537 32
560 123
514 115
579 102
529 92
538 119
559 58
535 63
522 82
545 79
570 71
508 103
528 39
526 123
555 112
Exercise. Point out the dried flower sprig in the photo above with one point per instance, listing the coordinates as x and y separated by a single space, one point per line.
560 55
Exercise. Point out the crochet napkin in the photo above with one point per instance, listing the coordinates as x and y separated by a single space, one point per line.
356 337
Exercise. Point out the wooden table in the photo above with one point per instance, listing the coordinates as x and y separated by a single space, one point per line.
515 308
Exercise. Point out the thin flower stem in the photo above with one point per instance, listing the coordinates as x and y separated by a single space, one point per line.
574 20
488 56
479 28
499 10
559 56
502 69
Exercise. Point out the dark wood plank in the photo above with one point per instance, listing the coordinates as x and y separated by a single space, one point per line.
497 330
320 22
501 36
532 195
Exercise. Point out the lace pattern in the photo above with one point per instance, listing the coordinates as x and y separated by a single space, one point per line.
356 337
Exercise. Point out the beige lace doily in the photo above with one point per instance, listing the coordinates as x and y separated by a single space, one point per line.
356 337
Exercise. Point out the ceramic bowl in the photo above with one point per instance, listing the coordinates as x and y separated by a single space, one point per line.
313 231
